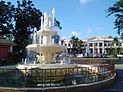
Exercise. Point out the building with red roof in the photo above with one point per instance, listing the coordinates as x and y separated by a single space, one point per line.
5 48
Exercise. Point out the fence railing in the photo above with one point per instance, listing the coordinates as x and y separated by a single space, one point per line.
57 77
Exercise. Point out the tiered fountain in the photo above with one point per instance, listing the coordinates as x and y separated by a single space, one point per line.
49 68
45 48
46 42
45 52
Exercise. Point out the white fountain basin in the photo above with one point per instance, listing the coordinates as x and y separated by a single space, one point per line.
45 66
51 72
46 48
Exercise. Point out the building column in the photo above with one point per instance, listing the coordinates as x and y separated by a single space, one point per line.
93 50
103 48
87 49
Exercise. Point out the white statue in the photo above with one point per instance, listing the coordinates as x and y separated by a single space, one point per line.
46 21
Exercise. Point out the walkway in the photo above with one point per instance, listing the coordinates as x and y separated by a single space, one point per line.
118 86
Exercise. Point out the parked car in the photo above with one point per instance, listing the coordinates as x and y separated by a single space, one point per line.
79 55
120 55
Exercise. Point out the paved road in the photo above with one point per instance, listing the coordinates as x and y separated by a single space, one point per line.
118 86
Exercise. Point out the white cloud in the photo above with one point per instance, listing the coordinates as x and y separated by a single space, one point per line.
87 33
89 30
63 38
99 28
74 33
86 1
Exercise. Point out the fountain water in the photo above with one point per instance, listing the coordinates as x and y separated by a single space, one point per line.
45 43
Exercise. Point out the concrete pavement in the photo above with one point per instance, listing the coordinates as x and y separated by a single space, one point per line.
118 85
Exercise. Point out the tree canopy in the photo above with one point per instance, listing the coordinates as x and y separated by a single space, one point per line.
26 17
19 22
76 44
117 11
6 17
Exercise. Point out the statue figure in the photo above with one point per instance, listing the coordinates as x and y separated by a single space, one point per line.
46 21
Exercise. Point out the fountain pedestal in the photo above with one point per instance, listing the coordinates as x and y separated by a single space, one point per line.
47 47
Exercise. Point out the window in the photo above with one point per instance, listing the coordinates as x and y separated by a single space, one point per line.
69 44
83 45
109 44
95 44
100 44
100 51
91 50
90 44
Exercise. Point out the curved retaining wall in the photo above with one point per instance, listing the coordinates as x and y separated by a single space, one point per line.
76 88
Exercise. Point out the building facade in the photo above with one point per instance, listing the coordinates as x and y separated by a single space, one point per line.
94 47
97 46
5 48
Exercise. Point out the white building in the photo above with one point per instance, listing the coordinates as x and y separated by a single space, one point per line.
97 46
67 43
94 46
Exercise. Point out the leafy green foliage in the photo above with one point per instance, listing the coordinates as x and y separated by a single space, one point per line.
74 40
17 23
117 10
6 17
26 17
116 41
76 43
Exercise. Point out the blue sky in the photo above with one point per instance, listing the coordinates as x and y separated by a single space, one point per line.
85 18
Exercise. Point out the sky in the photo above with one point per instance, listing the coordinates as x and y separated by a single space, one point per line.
83 18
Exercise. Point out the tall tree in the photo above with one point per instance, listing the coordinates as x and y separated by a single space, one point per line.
117 10
116 44
79 46
19 22
6 18
76 44
74 40
26 18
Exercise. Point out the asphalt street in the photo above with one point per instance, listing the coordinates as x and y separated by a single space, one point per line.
118 85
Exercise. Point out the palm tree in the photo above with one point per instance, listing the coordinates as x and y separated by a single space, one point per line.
79 46
116 44
76 44
74 41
